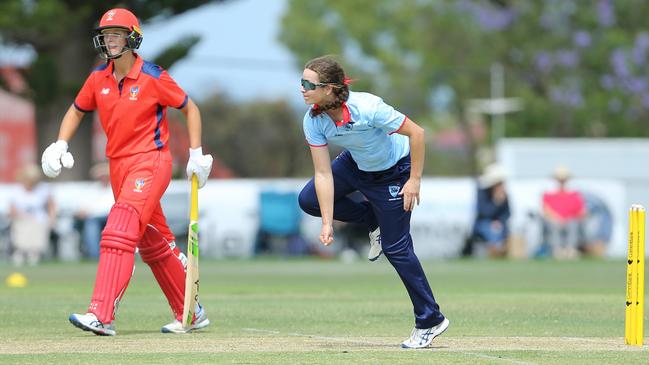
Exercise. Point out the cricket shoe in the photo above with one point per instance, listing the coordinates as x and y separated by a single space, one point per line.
89 322
421 338
375 245
200 321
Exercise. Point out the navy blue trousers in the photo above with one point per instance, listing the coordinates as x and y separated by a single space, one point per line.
385 208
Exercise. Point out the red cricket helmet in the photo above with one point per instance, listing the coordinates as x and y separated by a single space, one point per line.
118 18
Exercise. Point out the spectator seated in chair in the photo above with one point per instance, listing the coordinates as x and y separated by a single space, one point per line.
563 214
91 218
491 227
32 213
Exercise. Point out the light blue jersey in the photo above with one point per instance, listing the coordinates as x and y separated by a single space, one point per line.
368 132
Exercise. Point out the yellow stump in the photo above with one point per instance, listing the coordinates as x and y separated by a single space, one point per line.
634 314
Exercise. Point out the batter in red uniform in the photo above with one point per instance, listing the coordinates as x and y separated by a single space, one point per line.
131 96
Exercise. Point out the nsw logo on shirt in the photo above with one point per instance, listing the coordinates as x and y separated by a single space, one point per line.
105 91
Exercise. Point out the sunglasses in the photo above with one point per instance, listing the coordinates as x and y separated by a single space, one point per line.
308 85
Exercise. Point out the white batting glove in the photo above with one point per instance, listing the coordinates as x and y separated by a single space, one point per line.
199 164
56 156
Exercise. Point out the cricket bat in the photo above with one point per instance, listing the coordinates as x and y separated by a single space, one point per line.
192 278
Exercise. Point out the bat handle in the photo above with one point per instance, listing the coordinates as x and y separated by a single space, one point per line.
193 212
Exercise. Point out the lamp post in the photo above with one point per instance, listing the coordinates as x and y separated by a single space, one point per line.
496 105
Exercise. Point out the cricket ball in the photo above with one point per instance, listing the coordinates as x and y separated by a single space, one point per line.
16 280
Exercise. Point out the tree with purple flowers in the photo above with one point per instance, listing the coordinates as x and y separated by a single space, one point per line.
580 66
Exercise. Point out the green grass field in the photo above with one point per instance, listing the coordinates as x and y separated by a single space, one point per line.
328 312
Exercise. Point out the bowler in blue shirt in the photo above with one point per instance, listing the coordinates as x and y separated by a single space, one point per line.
383 158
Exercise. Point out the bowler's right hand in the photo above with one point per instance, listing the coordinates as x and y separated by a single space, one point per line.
327 234
56 156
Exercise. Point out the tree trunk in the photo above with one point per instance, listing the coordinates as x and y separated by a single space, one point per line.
73 60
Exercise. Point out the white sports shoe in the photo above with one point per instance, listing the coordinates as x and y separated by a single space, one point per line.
375 245
89 322
420 338
201 321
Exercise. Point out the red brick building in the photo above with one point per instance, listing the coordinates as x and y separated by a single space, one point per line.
17 126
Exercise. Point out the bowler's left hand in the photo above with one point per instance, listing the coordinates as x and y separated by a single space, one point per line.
410 193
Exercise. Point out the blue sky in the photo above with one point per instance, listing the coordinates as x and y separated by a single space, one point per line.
239 52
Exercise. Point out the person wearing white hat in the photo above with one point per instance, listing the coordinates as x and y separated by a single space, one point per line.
492 211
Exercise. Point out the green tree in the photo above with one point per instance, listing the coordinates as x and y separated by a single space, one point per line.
257 139
60 32
579 66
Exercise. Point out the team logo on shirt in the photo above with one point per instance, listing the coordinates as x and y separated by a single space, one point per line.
394 191
105 91
139 184
134 91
